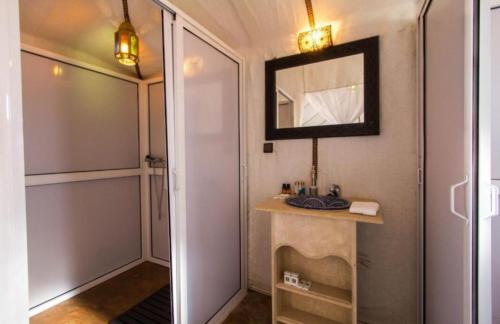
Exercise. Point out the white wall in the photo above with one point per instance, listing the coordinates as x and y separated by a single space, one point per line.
13 246
379 167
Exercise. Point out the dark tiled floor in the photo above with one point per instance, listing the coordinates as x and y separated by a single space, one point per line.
254 309
104 302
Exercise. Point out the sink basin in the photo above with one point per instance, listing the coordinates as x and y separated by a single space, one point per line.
318 202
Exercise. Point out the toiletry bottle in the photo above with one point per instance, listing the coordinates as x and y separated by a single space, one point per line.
302 190
296 188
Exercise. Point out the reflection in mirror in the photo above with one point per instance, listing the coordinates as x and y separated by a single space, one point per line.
285 106
319 94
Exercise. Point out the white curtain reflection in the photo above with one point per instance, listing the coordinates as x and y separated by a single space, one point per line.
335 106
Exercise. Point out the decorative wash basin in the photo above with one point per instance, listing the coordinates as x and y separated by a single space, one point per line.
318 202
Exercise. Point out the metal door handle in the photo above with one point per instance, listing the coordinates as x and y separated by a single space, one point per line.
452 200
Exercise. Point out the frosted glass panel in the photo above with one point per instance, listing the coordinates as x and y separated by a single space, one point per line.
160 236
212 155
76 119
157 130
80 231
445 237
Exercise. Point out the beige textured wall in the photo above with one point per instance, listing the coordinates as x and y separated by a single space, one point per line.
379 167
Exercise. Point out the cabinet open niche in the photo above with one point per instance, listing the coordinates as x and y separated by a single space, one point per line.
329 300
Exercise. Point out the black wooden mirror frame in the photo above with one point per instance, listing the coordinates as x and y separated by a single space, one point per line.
370 48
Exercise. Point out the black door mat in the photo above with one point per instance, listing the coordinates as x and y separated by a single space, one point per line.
153 310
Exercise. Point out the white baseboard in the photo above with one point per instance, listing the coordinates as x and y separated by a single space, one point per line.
228 308
159 261
53 302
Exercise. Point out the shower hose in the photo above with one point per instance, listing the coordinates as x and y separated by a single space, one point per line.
159 190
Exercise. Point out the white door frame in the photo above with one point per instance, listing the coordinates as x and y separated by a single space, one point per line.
487 198
470 276
176 162
13 243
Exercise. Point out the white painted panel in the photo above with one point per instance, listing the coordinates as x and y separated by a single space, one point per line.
76 119
495 262
157 131
212 178
160 236
483 167
495 159
495 86
79 231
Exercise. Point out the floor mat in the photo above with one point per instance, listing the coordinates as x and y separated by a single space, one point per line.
153 310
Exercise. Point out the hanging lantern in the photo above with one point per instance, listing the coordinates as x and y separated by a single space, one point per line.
316 38
126 44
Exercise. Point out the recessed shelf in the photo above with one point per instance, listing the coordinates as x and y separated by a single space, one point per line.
290 315
326 293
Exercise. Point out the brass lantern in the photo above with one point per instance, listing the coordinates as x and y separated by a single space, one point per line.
126 44
315 39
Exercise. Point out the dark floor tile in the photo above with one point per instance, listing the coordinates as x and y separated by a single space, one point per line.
254 309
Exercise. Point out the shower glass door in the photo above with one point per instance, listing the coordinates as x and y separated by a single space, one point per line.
207 172
212 176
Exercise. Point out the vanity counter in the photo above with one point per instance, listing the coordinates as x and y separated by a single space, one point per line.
280 206
320 246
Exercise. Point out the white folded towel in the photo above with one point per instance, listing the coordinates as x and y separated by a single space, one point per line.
364 208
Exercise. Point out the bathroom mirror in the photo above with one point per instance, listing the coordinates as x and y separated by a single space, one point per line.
329 93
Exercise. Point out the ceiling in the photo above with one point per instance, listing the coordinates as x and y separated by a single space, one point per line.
267 24
84 30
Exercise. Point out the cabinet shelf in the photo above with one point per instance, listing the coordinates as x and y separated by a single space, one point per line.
290 315
326 293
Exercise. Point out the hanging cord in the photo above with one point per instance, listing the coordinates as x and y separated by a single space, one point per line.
125 10
159 191
310 14
126 16
138 71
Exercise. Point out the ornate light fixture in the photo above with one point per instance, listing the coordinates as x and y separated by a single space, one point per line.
316 38
126 41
